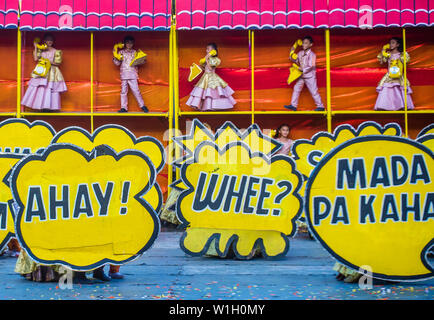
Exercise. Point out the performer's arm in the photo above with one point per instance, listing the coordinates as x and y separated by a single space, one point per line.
311 65
57 58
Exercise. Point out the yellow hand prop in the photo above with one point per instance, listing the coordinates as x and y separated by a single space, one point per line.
40 46
116 54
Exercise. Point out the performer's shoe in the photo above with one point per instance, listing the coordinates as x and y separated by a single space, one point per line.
340 277
80 278
320 109
116 275
145 110
290 107
100 275
122 110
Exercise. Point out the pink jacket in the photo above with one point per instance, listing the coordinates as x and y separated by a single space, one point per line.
127 72
307 62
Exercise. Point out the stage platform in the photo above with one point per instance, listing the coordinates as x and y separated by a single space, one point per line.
165 272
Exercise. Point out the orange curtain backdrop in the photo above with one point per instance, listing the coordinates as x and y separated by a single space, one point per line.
8 70
354 61
75 66
272 68
233 50
153 75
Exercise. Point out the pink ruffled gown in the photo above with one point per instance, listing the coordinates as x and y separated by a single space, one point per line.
391 90
286 148
44 93
211 92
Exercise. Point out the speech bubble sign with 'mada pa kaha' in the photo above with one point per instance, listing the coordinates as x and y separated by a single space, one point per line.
82 209
18 138
377 211
235 196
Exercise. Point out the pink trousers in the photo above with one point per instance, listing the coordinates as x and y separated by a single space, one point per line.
134 86
313 88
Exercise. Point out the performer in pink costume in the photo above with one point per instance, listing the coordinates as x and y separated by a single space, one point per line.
43 93
307 61
391 87
282 135
129 75
211 92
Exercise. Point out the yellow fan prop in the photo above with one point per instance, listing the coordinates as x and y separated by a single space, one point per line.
294 73
195 71
139 59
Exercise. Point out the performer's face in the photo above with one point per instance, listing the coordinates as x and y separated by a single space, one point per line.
49 42
129 44
208 49
393 44
284 132
306 44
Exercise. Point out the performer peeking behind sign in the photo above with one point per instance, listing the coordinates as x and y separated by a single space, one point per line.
211 92
129 59
282 134
305 61
391 87
47 81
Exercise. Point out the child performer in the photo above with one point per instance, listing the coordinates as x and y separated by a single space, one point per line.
391 87
211 92
306 60
282 135
129 74
43 92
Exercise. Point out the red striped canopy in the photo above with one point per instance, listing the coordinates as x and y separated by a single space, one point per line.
9 14
274 14
128 15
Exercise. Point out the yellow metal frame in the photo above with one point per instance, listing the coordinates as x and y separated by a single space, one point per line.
174 113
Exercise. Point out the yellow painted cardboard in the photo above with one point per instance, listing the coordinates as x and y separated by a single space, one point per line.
82 210
7 230
308 153
217 165
370 202
18 137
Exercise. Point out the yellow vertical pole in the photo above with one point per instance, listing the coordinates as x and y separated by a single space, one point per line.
176 88
328 82
91 83
18 73
252 72
404 44
171 111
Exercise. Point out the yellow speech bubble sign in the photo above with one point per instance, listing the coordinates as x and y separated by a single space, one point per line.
120 139
370 202
20 136
238 197
426 137
83 210
7 230
308 153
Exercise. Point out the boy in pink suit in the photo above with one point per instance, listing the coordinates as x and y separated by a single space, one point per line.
129 75
307 61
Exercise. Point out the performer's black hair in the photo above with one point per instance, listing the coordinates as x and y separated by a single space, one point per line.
308 38
48 36
129 39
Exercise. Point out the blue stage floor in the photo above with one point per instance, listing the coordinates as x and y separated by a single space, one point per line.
165 272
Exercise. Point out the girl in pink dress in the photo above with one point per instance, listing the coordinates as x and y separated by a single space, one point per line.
391 87
43 93
282 135
211 92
